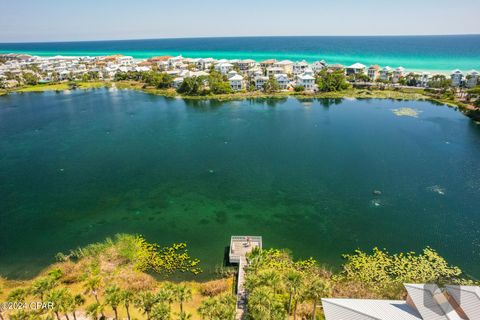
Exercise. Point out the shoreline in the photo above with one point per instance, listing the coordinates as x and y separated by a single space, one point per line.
413 94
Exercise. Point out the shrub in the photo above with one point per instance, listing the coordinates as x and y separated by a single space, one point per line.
213 288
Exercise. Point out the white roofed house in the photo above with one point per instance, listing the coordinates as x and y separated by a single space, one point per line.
282 80
423 302
299 67
467 299
397 74
271 71
125 60
307 81
285 65
472 78
177 82
386 73
224 67
246 64
356 68
237 82
260 81
206 63
318 66
456 76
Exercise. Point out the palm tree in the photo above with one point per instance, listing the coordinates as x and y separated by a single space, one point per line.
94 309
184 316
57 298
78 300
317 289
160 311
219 308
263 304
18 295
271 278
183 294
293 281
145 301
127 298
42 285
113 297
92 285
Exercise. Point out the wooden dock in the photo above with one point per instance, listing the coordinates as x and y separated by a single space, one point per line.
240 246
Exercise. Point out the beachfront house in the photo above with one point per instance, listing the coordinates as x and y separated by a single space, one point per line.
318 66
224 67
373 72
267 63
285 65
204 64
260 81
307 81
472 78
299 67
271 71
177 82
245 64
236 82
423 302
125 61
282 80
397 74
356 68
456 76
386 73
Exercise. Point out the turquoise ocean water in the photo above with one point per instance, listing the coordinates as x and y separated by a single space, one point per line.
435 53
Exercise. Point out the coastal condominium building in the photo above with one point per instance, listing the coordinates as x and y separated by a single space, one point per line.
457 77
423 302
472 78
386 73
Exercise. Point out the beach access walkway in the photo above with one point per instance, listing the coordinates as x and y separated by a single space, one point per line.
240 246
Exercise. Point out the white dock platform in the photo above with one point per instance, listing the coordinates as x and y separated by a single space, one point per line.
240 246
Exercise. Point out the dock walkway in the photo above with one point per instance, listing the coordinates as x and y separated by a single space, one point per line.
240 246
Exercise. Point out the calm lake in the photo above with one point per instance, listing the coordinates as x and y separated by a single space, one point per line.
77 167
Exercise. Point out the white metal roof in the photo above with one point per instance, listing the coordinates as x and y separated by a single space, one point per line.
468 298
431 303
357 66
369 309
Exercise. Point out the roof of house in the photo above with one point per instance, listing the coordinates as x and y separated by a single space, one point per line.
430 302
456 71
473 72
236 77
357 66
374 309
468 298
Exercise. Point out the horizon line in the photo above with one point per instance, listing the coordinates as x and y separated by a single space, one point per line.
243 36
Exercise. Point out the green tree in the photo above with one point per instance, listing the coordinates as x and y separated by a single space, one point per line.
329 81
183 294
294 282
30 78
41 285
192 86
218 84
128 298
263 304
145 301
271 85
315 290
221 307
161 311
92 285
78 300
113 298
18 295
94 310
58 298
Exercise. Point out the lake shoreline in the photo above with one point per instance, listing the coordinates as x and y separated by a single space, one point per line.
414 94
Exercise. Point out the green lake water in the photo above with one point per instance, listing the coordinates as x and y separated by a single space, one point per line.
78 167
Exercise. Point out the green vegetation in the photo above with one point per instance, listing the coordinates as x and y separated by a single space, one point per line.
331 81
114 279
